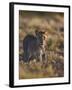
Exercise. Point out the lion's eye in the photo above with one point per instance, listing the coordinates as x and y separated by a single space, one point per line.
43 37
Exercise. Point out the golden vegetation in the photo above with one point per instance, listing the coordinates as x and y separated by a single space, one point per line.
53 23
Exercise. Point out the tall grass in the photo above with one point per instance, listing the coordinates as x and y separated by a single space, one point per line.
53 23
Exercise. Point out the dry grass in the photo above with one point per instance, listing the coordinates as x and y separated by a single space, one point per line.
53 24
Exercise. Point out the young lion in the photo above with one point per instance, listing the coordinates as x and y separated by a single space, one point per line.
35 46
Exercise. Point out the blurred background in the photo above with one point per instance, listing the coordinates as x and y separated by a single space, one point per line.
53 23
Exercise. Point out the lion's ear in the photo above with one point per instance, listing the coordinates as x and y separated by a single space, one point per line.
46 35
